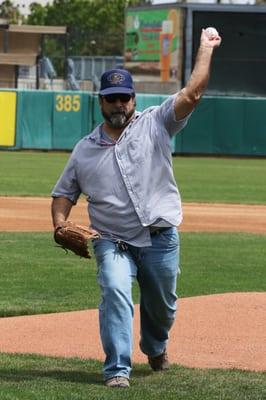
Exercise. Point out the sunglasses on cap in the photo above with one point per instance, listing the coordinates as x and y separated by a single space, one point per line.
123 97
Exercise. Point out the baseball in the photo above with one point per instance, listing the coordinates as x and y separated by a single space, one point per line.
211 32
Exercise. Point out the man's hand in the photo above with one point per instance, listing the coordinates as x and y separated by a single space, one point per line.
211 41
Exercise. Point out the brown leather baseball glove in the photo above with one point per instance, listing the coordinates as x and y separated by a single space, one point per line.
75 238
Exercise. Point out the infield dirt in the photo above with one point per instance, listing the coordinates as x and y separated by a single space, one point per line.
33 214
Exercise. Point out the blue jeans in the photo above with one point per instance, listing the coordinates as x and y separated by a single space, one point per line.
156 269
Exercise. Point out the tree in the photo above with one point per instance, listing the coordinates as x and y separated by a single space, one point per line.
96 27
10 12
37 14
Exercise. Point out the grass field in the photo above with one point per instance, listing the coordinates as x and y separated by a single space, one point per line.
50 280
199 179
46 280
43 378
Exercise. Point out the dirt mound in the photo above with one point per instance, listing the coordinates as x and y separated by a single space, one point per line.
216 331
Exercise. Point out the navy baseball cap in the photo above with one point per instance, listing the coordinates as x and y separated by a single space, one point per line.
116 81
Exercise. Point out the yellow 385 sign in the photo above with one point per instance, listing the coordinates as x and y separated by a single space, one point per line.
67 102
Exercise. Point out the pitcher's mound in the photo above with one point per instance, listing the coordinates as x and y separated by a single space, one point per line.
215 331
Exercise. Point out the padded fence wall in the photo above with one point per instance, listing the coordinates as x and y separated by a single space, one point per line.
226 126
57 120
52 120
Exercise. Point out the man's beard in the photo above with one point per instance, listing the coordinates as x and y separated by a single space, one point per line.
118 119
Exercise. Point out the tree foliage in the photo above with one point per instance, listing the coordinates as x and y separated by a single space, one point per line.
96 27
10 12
37 15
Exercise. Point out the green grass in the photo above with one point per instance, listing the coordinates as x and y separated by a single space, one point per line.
30 173
38 277
222 262
225 180
199 179
30 377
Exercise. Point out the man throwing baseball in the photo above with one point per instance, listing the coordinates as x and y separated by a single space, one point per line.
124 168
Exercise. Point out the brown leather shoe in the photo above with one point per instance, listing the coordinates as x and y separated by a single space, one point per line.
117 381
159 363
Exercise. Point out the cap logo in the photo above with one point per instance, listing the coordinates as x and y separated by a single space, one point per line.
115 78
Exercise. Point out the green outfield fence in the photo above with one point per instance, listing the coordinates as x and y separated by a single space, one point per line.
49 120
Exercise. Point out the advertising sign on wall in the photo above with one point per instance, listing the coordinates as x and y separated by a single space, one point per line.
153 40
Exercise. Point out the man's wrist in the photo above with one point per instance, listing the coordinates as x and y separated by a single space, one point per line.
58 223
205 49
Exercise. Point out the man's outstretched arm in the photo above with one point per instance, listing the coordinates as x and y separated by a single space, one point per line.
189 96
